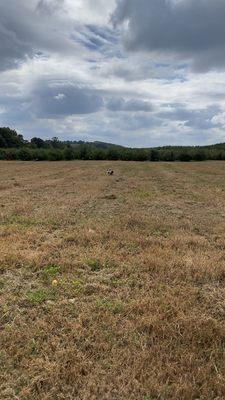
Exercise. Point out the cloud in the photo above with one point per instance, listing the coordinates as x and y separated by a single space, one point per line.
189 29
219 120
91 11
66 71
49 7
57 99
198 119
28 29
119 104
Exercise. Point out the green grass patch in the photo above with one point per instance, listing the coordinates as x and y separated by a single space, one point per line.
40 296
22 221
78 285
50 272
143 194
160 232
148 398
115 307
33 347
37 297
94 265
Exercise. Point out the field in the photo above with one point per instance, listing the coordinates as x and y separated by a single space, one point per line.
112 288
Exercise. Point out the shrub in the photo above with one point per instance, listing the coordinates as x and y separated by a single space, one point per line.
25 154
185 157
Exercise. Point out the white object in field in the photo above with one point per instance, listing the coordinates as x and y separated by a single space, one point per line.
110 171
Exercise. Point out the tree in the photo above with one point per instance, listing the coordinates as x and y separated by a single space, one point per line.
37 143
154 156
112 154
97 154
200 155
10 138
185 157
55 143
54 155
68 153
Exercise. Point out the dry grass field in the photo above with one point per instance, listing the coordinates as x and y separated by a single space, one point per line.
112 288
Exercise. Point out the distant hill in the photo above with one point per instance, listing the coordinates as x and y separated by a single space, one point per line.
209 146
98 144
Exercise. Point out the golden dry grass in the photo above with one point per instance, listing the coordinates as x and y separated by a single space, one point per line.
112 288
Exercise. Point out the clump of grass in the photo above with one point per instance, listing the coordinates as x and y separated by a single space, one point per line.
40 296
115 307
53 223
78 285
94 265
33 347
37 297
2 285
2 359
143 194
109 263
160 232
22 221
110 197
50 272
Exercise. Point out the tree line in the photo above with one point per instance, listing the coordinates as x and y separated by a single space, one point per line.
14 147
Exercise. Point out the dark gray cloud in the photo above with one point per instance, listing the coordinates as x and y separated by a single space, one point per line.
14 43
27 29
120 104
57 99
197 119
191 29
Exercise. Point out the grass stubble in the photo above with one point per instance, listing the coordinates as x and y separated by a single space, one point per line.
112 288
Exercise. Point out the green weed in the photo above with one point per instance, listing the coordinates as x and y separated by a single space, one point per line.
50 272
94 265
116 307
36 297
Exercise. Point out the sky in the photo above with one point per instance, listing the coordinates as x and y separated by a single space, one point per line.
139 73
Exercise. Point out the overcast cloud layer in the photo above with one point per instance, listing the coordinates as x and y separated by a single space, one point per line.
132 72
